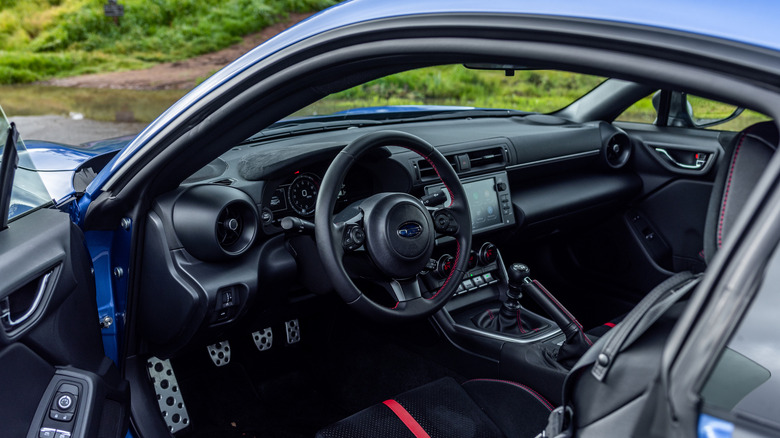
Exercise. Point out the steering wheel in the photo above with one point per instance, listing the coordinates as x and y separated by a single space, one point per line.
396 229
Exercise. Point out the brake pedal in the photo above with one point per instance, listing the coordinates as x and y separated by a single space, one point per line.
293 331
219 353
264 339
169 399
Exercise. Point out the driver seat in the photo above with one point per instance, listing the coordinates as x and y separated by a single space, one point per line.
497 408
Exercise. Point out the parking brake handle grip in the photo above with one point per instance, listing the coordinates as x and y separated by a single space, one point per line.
576 342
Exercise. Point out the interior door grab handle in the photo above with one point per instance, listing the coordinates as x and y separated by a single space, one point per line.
6 310
700 162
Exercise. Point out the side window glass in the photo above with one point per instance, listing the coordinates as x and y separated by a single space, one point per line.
28 190
704 113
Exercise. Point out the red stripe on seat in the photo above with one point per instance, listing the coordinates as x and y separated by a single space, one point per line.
406 418
609 324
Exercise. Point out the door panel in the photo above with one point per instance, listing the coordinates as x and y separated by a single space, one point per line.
50 343
677 185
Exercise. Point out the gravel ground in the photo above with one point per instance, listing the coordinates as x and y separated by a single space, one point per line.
71 131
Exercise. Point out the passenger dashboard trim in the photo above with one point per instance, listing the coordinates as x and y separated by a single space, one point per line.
554 159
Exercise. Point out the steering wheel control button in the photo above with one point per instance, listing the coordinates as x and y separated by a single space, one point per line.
444 222
354 238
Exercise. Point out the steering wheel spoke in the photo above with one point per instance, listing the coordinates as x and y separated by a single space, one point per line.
407 289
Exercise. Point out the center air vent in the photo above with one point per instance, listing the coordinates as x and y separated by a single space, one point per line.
475 160
215 222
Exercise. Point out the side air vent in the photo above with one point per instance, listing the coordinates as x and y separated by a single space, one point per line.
494 157
617 150
215 222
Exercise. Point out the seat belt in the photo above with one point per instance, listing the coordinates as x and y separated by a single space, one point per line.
636 323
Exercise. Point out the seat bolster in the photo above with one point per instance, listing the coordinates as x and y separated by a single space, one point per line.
516 409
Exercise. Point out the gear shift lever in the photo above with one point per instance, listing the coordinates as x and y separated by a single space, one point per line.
517 273
576 342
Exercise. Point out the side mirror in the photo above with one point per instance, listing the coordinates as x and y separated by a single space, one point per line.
689 111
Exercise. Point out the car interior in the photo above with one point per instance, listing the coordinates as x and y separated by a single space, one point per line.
242 329
287 275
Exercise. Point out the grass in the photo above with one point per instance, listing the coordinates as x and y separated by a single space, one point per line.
536 91
41 39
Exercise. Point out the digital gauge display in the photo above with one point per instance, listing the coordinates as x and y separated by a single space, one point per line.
302 194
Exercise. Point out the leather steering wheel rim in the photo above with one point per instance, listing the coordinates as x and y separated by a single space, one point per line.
329 235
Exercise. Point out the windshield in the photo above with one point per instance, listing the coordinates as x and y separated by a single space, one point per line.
534 91
28 191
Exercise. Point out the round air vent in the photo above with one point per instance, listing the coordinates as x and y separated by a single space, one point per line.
617 150
215 222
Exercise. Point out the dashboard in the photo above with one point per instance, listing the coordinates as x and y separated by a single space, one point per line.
215 248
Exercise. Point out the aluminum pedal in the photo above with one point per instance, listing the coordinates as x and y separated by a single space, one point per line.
219 353
169 398
293 331
264 339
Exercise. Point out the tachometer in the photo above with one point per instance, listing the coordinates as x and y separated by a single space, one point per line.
302 194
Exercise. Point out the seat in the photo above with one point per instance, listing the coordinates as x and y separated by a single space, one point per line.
495 408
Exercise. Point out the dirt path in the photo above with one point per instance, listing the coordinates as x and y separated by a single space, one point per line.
176 75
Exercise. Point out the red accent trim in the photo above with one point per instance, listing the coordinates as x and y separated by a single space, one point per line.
457 256
406 418
519 323
726 192
396 305
564 310
535 394
490 314
609 324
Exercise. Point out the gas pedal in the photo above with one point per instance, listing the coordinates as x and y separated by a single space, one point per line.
293 331
264 339
219 353
169 397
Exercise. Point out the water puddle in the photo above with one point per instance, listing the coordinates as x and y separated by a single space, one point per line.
107 105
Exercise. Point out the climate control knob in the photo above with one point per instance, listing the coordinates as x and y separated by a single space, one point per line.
488 253
444 265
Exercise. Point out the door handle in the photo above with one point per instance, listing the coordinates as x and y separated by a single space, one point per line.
5 308
700 159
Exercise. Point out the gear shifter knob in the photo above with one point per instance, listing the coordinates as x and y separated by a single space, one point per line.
517 273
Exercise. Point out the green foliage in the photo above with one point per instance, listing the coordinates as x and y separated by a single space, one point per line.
537 91
150 31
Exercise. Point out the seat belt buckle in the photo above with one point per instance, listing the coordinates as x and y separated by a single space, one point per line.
557 423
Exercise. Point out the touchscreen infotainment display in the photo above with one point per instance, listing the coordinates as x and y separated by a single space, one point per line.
483 203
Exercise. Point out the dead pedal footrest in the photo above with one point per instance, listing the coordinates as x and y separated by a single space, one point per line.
169 398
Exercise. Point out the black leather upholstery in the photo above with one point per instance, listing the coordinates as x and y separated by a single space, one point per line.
746 156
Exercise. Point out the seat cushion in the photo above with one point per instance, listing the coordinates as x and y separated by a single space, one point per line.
443 408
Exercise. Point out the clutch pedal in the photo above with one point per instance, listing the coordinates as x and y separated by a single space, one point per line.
220 353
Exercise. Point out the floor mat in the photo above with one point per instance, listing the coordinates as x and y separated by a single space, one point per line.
294 391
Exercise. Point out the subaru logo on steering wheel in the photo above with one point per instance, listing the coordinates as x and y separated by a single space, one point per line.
410 230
